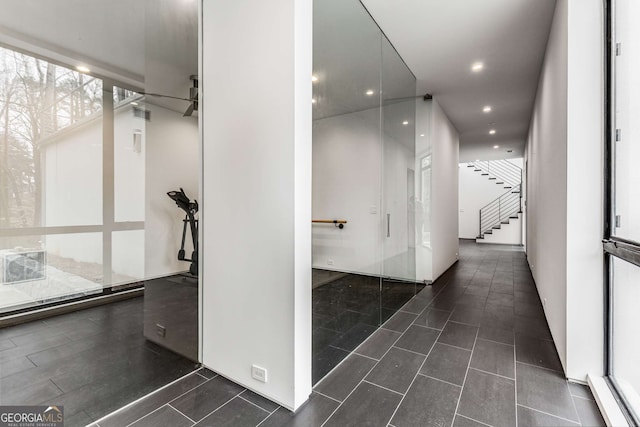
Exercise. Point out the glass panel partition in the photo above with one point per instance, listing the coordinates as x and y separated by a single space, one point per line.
364 174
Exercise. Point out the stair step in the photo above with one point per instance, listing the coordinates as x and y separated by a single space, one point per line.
488 232
480 237
507 188
500 183
485 174
513 217
497 227
491 177
470 166
515 192
477 170
505 222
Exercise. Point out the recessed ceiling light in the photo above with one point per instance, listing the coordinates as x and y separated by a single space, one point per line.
422 134
314 79
492 132
477 160
313 100
477 66
134 103
496 146
405 122
487 109
83 69
369 92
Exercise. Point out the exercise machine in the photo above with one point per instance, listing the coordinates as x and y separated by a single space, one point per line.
191 208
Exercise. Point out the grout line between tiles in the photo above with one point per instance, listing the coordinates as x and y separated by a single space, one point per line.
493 373
547 413
327 396
466 374
515 377
410 351
268 416
472 419
147 414
441 380
455 346
541 367
363 355
180 412
383 387
248 401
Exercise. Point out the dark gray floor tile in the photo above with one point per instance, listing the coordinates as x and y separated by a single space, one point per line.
208 397
489 399
6 343
492 357
367 405
532 327
345 377
428 402
580 390
396 370
481 291
537 352
530 418
378 343
589 413
311 414
467 316
529 310
260 401
207 373
459 335
498 298
153 402
325 361
433 318
80 419
502 288
13 366
447 363
418 339
400 321
61 352
544 390
504 336
28 394
416 305
461 421
353 337
164 417
236 413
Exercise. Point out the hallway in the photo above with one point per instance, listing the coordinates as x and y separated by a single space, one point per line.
472 350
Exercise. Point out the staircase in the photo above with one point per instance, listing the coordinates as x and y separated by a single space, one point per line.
506 207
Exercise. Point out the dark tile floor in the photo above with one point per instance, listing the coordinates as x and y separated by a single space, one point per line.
92 361
472 350
347 309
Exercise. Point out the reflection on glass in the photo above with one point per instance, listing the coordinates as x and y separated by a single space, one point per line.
626 318
127 259
41 269
129 148
627 105
49 115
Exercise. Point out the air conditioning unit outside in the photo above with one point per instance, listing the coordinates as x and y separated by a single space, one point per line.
23 265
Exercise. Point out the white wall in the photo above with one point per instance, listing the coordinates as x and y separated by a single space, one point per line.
564 186
476 191
444 190
171 163
423 176
547 181
256 214
585 177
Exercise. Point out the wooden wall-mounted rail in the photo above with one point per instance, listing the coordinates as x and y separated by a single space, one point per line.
337 222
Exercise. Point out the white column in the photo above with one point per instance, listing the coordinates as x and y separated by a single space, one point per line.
256 214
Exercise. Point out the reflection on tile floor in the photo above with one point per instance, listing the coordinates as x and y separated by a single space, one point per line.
472 350
347 309
92 362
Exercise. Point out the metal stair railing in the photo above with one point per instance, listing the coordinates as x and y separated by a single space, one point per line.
500 211
502 171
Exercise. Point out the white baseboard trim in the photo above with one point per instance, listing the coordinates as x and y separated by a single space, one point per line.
607 403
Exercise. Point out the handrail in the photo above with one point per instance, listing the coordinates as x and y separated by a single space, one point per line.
501 169
337 222
496 212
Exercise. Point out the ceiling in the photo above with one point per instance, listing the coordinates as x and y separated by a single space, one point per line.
440 40
146 44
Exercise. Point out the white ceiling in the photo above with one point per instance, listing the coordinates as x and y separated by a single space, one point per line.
439 40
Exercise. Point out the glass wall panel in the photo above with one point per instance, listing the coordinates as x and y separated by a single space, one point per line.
364 174
42 269
625 343
49 115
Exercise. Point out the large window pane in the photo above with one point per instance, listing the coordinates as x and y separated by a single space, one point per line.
49 116
626 318
127 258
627 109
43 269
